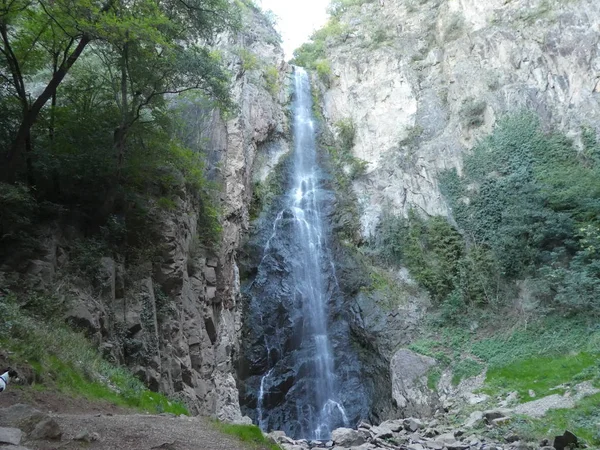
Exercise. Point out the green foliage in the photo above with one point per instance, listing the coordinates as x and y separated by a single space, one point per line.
271 75
464 369
249 434
323 69
312 54
456 276
532 201
65 361
433 378
541 374
582 420
248 59
18 208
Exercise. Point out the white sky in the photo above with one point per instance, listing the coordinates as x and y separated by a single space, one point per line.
297 19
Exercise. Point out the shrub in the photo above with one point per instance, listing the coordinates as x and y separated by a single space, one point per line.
471 113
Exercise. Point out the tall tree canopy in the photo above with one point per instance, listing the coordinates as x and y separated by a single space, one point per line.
147 49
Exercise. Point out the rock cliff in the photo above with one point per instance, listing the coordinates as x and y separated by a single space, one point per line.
422 80
173 317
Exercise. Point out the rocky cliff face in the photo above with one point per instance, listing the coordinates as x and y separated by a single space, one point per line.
422 80
175 318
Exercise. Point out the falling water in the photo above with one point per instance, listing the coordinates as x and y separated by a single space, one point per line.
320 411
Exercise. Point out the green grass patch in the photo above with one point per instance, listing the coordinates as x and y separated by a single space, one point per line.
582 420
249 434
464 369
65 361
541 374
433 378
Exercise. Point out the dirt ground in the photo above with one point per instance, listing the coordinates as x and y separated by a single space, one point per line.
118 428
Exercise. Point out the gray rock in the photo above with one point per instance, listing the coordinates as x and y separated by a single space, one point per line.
474 419
10 436
409 383
85 436
46 429
412 424
347 437
22 416
497 413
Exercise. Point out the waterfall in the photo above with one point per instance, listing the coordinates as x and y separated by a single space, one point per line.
308 272
294 298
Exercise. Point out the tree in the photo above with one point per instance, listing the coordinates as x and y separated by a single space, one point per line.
164 30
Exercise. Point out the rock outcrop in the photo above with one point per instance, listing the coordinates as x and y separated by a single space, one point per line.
174 316
422 81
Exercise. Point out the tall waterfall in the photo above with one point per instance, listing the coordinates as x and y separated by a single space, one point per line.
294 297
313 252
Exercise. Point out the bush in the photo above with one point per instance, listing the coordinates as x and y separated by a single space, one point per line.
17 210
531 199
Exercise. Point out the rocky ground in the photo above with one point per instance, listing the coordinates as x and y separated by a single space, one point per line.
67 423
415 434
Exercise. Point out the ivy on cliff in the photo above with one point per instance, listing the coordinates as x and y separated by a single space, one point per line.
527 207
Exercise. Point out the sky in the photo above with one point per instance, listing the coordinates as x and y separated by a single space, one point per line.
297 19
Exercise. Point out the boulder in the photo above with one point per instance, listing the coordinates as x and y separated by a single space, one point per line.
474 419
347 437
409 383
412 424
568 439
10 436
46 429
22 416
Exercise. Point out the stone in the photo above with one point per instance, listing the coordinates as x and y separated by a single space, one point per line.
394 425
382 432
210 276
12 447
501 421
531 393
433 445
474 419
364 425
275 436
409 383
85 436
415 447
10 436
492 414
347 437
22 416
512 438
46 429
568 439
412 424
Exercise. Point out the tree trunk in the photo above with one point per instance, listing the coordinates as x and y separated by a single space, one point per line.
20 142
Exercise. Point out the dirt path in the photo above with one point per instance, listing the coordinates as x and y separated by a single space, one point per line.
139 432
118 428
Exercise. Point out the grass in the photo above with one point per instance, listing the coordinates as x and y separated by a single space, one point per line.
582 420
65 361
541 356
541 374
249 434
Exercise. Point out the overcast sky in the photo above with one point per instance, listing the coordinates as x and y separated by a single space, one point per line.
297 19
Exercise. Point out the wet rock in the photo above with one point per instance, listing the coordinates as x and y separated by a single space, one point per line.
347 437
46 429
10 436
